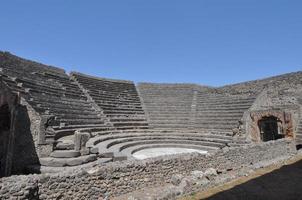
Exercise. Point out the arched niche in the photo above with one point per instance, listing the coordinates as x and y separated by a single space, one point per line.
270 128
270 125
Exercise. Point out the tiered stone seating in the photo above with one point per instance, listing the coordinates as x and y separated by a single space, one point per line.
122 145
220 112
50 92
168 105
118 99
254 87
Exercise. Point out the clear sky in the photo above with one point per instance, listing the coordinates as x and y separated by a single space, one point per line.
211 42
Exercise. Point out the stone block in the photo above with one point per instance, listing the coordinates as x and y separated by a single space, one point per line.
210 173
176 179
80 140
65 154
94 150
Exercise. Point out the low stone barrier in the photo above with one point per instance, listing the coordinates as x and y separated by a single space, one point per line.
118 178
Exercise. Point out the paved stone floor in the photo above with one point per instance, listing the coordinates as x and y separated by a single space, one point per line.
284 183
154 152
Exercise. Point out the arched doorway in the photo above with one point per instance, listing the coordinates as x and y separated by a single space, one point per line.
5 121
270 128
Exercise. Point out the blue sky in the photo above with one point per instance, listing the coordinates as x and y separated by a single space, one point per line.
211 42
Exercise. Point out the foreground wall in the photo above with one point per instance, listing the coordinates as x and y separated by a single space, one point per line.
122 177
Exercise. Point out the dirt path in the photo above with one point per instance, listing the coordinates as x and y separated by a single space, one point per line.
282 181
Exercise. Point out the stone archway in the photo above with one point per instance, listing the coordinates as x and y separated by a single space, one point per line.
270 124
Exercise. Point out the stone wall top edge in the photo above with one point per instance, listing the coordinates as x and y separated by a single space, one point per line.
49 67
171 84
100 78
270 78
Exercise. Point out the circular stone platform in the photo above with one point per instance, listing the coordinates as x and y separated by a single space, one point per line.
154 152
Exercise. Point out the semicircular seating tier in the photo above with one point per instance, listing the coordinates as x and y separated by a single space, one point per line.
122 145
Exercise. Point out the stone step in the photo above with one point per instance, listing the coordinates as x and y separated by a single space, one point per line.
170 126
130 123
205 145
106 100
81 126
65 154
127 119
168 122
215 127
117 115
160 134
122 109
48 92
62 162
81 121
47 86
62 99
60 103
73 112
212 102
123 112
121 103
51 95
218 114
69 130
162 109
223 107
57 107
162 112
78 116
167 100
64 146
227 101
121 106
168 104
112 95
132 127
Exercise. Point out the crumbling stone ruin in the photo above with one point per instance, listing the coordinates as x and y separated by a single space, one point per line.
75 136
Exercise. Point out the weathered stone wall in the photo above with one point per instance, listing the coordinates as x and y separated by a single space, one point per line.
122 177
285 81
25 153
273 100
19 148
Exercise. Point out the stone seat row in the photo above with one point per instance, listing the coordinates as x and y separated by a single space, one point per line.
116 144
39 77
119 101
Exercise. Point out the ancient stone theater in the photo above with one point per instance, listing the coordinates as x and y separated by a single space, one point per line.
76 136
